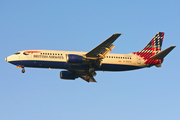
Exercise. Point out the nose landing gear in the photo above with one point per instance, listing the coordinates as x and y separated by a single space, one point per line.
23 70
22 67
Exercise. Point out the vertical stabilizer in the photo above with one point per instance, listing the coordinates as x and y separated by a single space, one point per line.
151 49
154 46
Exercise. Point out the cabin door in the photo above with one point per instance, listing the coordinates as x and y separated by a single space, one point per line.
138 60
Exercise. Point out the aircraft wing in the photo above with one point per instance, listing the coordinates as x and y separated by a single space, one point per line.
95 56
88 78
85 75
97 50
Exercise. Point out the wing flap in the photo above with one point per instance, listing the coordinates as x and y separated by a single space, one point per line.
88 78
85 75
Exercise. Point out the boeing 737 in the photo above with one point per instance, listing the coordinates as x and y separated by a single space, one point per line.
85 64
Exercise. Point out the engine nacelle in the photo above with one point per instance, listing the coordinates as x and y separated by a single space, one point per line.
75 59
67 75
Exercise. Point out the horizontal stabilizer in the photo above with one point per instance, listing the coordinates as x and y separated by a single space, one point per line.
163 53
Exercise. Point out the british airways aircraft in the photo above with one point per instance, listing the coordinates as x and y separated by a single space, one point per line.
84 64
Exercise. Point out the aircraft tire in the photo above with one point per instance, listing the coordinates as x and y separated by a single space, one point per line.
23 70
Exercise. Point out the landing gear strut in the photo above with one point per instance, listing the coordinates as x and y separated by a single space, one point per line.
23 70
92 71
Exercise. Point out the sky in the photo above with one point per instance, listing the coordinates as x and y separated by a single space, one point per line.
145 94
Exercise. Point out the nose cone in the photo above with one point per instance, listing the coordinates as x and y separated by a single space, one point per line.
9 58
12 59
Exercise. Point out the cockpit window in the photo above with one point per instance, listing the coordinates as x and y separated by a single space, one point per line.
17 53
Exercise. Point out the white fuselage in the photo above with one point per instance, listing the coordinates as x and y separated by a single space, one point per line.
57 59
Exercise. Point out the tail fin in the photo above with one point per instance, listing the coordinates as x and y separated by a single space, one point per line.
151 49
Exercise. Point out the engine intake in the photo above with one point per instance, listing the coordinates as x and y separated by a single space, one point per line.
75 59
67 75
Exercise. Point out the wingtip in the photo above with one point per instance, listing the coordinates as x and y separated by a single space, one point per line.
173 46
118 33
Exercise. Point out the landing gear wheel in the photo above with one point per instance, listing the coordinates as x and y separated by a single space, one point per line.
23 70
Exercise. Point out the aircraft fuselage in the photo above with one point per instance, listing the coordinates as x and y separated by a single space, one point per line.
58 60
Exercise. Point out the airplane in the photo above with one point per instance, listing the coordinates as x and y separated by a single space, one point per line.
85 64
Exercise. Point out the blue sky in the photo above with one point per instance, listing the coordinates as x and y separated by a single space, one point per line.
150 93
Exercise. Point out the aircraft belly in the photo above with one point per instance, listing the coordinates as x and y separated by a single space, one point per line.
50 64
41 64
64 65
117 67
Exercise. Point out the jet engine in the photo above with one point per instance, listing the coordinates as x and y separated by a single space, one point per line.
67 75
75 59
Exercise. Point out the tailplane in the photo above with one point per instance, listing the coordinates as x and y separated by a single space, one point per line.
163 53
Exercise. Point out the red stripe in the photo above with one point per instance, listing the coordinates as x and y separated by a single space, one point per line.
31 51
